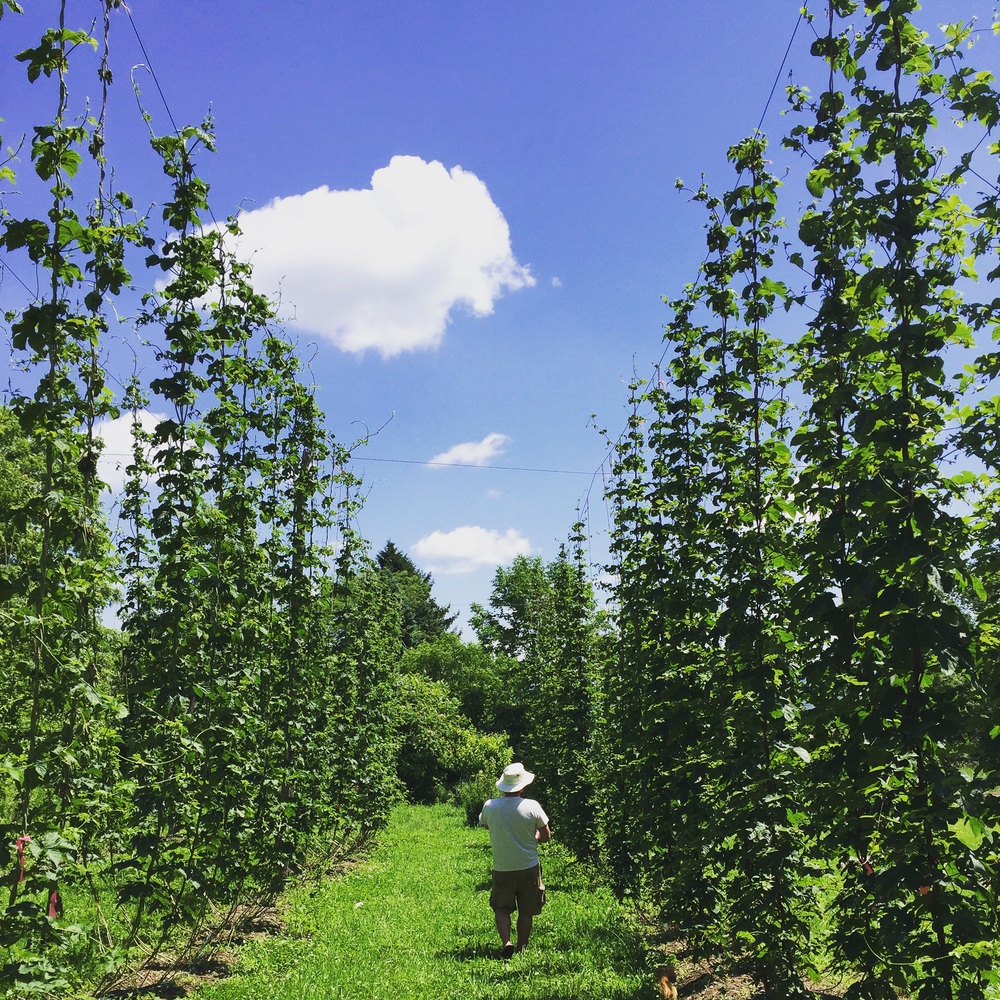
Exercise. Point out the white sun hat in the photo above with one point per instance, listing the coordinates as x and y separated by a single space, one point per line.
514 778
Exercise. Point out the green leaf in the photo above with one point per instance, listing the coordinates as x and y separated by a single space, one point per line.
817 181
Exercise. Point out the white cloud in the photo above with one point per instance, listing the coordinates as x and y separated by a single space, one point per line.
473 452
469 548
117 452
383 268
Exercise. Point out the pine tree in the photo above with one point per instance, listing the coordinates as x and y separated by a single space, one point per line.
423 618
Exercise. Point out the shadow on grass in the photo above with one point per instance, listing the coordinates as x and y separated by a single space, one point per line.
471 952
527 965
165 991
619 945
640 993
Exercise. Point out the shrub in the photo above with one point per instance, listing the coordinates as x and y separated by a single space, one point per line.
438 746
470 795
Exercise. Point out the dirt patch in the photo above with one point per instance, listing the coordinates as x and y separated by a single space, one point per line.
706 980
710 985
169 976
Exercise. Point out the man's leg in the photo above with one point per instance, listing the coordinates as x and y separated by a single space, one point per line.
529 902
524 921
502 918
504 901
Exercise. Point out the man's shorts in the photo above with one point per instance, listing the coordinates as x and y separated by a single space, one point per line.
522 890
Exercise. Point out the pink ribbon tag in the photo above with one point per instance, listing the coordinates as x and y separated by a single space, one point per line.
21 841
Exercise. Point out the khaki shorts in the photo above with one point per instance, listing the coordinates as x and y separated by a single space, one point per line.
522 890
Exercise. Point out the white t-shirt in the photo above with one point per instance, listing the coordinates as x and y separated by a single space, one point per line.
512 822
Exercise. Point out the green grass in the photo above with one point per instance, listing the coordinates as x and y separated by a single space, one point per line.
413 921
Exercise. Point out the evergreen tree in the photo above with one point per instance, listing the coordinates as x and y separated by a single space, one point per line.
423 618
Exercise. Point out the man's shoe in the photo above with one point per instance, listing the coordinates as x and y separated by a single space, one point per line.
506 951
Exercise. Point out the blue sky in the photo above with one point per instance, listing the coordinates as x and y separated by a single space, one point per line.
469 209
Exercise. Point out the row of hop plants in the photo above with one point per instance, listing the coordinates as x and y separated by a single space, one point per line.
786 748
163 776
798 720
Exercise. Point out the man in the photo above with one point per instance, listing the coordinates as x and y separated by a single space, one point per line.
517 826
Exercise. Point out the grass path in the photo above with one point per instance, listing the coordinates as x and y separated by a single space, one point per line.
413 921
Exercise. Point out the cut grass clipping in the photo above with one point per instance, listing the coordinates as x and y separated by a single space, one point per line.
414 920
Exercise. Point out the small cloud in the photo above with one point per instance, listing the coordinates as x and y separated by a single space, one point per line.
469 548
383 268
117 455
473 452
557 282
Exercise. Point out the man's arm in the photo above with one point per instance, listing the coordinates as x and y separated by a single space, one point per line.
544 834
